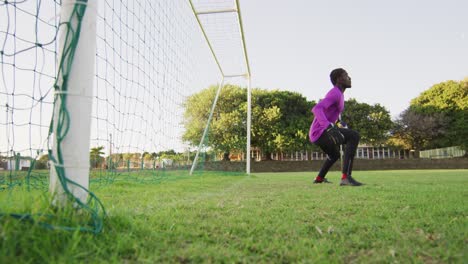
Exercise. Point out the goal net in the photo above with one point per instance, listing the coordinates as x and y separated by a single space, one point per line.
149 61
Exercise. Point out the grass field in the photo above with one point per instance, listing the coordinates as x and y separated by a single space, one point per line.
398 216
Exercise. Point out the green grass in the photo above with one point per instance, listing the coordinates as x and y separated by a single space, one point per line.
398 216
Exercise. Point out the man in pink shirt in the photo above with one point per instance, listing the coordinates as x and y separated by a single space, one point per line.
328 136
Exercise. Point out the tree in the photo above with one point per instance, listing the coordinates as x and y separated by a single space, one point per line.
373 122
127 156
95 156
449 99
170 154
281 121
147 156
446 96
228 127
265 118
417 130
41 163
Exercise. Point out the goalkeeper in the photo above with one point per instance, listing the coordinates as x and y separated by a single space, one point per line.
328 136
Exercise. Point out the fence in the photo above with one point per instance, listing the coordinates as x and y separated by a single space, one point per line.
362 153
440 153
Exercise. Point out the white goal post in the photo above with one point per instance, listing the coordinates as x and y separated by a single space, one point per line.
227 12
91 89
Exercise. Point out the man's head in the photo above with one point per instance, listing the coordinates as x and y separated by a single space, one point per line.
340 78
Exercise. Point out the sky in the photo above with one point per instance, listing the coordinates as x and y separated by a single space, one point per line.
393 50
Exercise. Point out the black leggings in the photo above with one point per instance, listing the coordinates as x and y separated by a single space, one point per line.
333 151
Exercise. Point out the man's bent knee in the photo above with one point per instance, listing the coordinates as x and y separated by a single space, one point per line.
333 157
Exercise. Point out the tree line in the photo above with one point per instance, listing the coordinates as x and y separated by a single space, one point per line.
437 118
281 120
97 159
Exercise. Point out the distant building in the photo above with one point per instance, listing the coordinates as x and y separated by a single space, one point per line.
16 163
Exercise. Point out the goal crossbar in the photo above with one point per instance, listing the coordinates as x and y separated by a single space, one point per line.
222 67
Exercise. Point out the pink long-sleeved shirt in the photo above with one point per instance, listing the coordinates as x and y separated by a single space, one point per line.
326 111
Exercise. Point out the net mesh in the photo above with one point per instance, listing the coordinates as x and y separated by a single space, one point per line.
151 57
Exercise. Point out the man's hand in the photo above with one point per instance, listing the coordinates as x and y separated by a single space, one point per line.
335 134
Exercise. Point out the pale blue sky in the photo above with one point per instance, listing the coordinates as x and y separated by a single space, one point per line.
393 50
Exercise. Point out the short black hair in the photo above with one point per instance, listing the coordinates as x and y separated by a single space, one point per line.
335 74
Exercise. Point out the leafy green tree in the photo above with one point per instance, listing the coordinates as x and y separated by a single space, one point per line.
446 96
95 156
147 156
265 118
41 163
449 99
373 122
171 154
228 127
280 121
